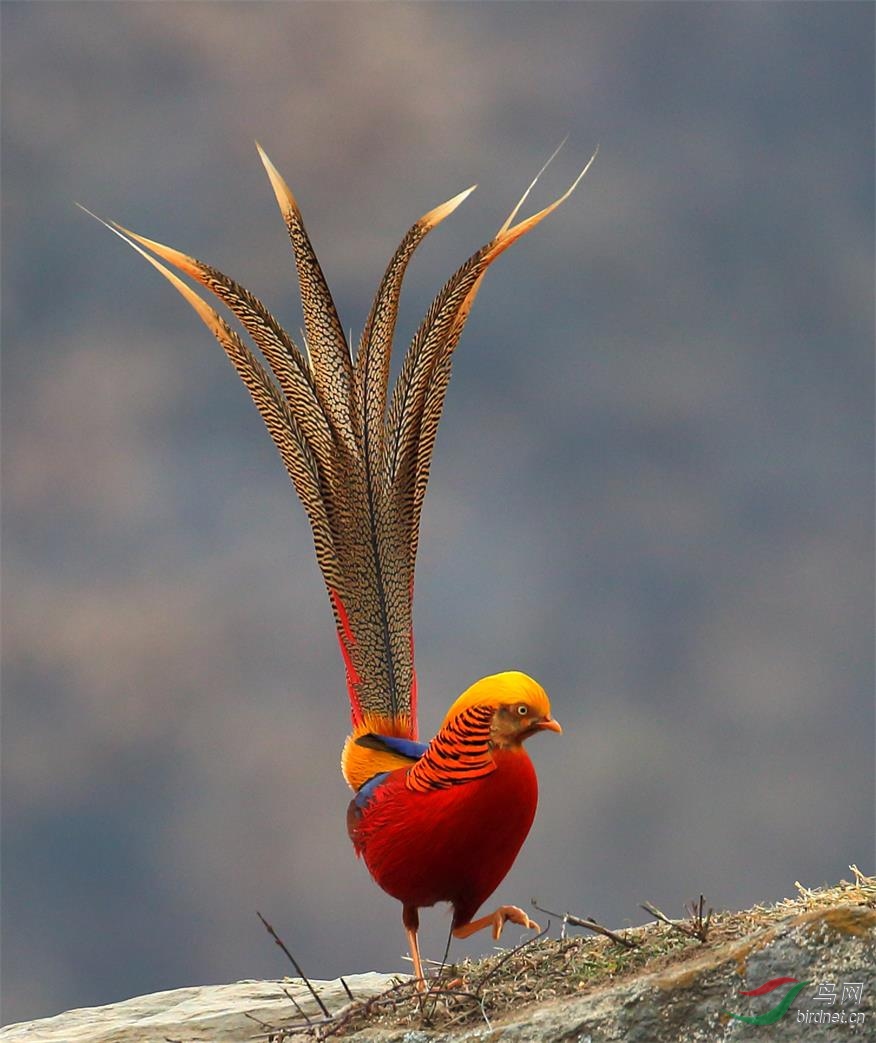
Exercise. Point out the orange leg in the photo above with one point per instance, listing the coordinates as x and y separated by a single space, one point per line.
411 920
497 921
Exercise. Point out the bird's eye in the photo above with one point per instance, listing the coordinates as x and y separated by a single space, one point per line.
523 710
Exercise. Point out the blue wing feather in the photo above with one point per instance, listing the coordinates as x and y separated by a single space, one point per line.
408 748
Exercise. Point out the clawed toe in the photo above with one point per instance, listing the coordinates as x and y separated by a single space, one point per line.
511 913
496 921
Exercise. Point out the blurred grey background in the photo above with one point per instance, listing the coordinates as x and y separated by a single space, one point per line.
653 486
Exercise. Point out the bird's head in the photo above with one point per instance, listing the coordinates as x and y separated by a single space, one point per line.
520 707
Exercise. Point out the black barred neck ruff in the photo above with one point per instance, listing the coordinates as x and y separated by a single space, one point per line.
461 752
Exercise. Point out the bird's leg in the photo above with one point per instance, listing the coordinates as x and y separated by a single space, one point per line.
496 920
411 920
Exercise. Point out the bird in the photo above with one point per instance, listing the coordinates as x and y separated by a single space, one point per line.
439 821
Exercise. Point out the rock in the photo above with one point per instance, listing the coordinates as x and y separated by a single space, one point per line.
202 1014
686 1003
668 988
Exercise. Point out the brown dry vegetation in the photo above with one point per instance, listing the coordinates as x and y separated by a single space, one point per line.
481 991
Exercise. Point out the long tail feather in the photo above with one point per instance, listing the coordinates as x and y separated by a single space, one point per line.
418 398
375 345
359 459
392 567
282 425
509 220
329 351
285 359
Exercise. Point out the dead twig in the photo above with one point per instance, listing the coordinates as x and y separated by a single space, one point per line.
658 914
296 965
700 927
589 924
475 998
699 923
272 1030
391 998
479 987
296 1005
436 992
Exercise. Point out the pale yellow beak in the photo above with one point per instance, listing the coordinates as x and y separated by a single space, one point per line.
549 725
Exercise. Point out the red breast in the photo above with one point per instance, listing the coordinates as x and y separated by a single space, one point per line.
447 845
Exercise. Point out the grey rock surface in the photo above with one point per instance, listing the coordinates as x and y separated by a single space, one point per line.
686 1002
202 1014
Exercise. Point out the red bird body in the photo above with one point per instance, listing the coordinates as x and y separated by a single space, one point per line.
441 822
447 824
451 845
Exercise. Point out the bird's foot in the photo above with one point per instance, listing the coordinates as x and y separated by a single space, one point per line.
497 921
512 913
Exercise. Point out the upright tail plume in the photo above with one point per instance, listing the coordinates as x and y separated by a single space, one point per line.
357 455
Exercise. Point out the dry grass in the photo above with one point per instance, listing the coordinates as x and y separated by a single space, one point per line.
480 991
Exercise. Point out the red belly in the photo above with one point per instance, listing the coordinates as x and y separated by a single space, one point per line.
449 845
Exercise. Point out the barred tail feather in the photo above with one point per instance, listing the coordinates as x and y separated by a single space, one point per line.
326 341
418 398
358 458
287 363
371 377
282 426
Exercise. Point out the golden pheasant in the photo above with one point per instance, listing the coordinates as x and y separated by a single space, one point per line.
435 822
